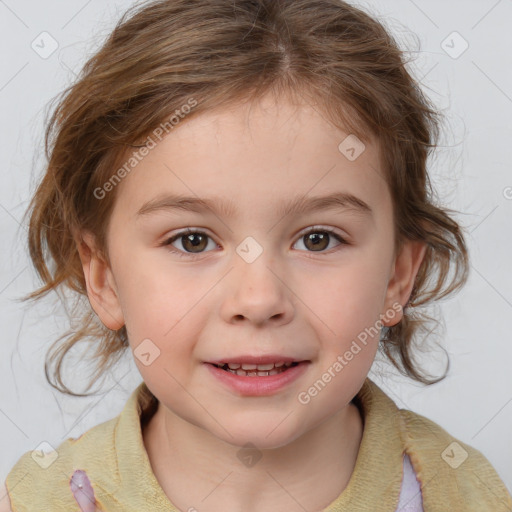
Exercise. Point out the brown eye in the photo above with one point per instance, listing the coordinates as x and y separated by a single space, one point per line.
194 242
318 240
191 242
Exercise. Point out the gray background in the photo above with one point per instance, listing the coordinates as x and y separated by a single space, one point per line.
471 172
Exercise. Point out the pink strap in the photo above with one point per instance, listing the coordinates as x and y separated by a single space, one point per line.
82 491
410 493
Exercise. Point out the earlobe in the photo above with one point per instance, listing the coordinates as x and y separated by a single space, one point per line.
406 267
101 289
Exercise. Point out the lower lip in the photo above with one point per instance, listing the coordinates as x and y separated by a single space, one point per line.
258 386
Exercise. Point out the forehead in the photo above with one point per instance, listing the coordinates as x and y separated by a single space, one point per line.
255 157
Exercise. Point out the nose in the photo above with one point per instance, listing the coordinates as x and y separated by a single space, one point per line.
256 293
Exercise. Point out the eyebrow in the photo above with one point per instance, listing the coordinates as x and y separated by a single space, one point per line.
300 205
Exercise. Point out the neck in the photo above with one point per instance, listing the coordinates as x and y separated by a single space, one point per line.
194 467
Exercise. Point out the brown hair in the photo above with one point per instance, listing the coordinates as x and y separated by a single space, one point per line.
163 53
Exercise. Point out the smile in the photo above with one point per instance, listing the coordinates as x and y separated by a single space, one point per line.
256 370
251 379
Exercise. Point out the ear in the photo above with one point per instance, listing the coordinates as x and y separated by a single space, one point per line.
403 275
101 287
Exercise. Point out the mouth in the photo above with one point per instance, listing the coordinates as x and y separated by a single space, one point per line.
256 370
257 376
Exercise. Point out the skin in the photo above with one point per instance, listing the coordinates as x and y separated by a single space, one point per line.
291 300
5 502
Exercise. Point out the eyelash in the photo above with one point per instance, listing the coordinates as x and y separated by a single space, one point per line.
168 243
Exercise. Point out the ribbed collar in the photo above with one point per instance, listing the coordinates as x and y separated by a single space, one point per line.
380 453
377 475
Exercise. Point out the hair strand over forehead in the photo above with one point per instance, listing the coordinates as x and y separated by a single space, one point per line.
164 53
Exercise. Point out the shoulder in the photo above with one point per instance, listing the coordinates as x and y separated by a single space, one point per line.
40 479
451 470
5 502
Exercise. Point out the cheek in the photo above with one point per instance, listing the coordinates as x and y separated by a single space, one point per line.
347 297
161 304
153 297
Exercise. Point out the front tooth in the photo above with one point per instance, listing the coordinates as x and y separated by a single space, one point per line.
249 367
278 365
234 366
265 367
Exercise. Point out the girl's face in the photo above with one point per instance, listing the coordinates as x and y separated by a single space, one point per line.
272 270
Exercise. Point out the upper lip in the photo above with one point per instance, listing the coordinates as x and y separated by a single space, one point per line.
262 359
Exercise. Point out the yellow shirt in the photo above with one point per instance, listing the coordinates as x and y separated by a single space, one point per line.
114 458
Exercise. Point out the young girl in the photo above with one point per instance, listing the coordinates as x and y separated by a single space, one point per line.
240 191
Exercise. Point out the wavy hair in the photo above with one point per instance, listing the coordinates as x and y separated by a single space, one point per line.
162 53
